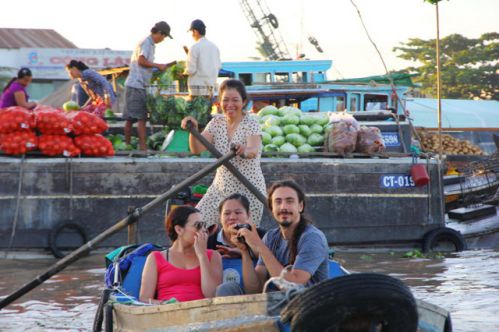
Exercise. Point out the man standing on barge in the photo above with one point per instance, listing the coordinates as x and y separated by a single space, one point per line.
139 77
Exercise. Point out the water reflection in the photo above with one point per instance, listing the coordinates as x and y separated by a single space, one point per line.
466 284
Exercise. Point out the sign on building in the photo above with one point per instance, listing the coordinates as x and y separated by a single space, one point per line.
49 63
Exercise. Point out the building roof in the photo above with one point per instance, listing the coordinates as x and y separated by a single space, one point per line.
456 113
398 79
32 38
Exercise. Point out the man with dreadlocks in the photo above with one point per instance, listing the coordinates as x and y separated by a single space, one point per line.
295 243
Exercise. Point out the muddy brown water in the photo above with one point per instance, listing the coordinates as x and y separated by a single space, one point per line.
466 284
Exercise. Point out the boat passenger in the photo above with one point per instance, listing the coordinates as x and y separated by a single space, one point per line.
139 77
234 127
187 270
295 243
14 93
96 86
203 62
234 213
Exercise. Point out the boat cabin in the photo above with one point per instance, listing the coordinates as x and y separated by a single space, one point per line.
304 84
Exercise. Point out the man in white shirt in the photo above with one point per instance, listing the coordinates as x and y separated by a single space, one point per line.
203 62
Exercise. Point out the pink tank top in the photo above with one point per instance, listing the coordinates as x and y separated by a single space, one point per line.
182 284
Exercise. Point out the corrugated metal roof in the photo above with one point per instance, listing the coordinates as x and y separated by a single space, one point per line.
455 113
29 38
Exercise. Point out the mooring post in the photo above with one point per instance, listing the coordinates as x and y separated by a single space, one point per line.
132 227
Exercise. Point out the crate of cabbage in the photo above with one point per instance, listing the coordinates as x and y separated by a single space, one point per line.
288 129
170 110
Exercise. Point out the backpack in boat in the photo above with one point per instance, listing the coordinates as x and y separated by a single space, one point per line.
125 266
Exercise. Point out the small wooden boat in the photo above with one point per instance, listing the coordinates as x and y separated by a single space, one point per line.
362 301
257 312
461 191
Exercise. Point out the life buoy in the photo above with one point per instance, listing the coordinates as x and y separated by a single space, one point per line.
353 301
443 234
273 21
56 231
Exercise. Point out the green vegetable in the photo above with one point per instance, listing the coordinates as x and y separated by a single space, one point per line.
274 131
287 147
305 148
290 119
266 138
278 140
290 110
307 120
322 120
291 129
270 148
267 110
272 120
315 128
296 139
305 130
315 139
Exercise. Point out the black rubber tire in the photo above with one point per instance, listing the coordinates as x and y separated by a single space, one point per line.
99 314
54 233
273 21
448 324
108 317
443 234
362 297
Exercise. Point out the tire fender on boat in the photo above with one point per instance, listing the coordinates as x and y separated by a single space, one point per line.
354 300
57 230
443 234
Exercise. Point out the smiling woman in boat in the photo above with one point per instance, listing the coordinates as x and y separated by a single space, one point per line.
187 270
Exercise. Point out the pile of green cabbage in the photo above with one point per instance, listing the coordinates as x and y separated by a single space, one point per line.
288 129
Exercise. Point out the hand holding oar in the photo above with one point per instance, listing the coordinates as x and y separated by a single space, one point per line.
130 219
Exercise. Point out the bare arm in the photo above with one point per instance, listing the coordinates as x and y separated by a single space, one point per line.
253 144
196 146
149 281
275 268
272 265
211 270
143 62
20 98
211 274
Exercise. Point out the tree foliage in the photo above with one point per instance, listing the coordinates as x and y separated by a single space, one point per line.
469 67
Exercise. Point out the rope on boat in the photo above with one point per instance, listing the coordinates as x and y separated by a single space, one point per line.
291 288
18 200
69 171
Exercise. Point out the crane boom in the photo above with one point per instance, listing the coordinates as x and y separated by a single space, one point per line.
265 25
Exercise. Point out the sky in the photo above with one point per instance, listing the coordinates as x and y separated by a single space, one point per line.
120 25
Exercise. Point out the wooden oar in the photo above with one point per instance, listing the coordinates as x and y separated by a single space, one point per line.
84 249
210 147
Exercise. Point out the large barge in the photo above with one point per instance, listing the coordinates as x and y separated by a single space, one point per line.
356 201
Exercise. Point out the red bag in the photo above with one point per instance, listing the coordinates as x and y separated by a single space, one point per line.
52 121
18 142
84 123
56 145
94 145
370 140
16 118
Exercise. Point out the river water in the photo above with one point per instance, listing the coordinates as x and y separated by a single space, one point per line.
466 284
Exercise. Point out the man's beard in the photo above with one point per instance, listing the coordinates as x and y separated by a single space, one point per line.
285 223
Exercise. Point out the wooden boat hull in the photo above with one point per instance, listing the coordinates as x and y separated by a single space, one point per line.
234 314
354 201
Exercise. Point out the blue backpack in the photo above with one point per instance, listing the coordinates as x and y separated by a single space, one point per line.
126 265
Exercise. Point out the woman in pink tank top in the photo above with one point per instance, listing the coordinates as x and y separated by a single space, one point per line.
187 270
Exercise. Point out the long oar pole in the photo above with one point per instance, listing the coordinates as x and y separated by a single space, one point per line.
258 194
78 253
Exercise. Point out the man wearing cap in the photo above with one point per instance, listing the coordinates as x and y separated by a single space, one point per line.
139 77
203 62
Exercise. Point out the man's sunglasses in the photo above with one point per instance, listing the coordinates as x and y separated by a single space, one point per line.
200 225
